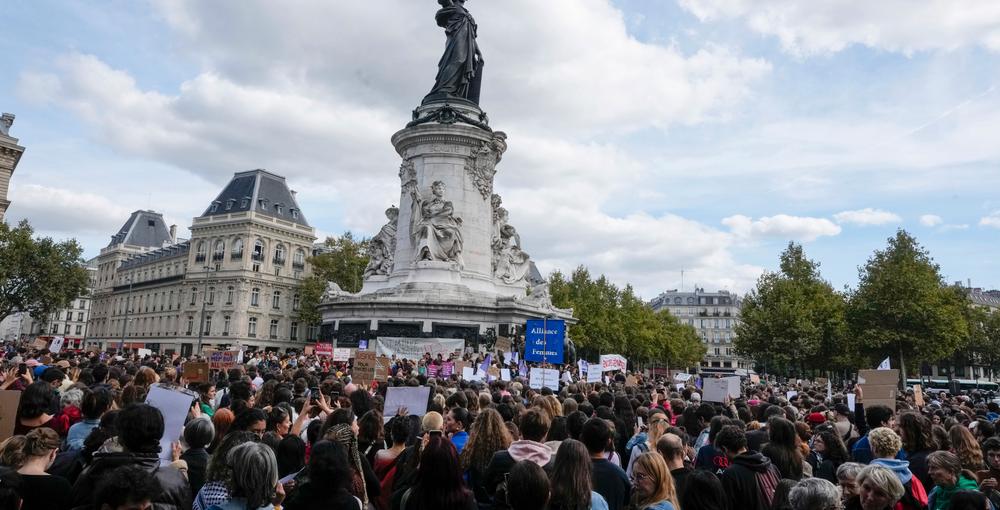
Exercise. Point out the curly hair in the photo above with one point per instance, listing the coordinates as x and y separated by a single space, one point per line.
487 436
916 432
884 442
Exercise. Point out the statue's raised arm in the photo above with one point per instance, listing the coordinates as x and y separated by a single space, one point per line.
460 69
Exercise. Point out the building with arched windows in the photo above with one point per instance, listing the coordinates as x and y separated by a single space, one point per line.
713 315
233 283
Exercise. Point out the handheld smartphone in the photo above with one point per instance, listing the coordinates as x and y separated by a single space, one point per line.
22 369
314 394
435 432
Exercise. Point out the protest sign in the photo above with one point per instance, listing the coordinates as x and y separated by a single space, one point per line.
716 390
9 400
196 372
594 375
460 366
222 360
308 350
363 372
791 394
680 386
544 377
471 374
414 348
382 368
174 403
682 377
879 386
494 373
41 343
543 340
414 399
447 368
433 370
754 379
582 366
57 344
918 395
851 399
504 374
322 349
503 344
612 362
341 354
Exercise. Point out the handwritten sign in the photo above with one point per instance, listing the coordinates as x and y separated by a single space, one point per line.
364 368
341 354
222 360
612 362
196 372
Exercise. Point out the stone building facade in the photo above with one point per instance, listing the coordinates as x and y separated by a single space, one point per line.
10 155
234 283
714 316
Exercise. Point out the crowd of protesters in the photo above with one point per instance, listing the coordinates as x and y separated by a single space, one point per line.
294 432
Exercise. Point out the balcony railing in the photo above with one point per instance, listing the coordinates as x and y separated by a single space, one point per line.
199 257
218 256
259 257
280 261
299 265
236 255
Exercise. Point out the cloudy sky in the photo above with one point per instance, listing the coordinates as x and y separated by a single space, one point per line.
647 137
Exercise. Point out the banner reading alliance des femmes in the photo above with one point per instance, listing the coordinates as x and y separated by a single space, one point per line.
414 348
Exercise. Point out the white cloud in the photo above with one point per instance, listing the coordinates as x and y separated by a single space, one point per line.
893 25
781 226
991 220
930 220
867 217
64 211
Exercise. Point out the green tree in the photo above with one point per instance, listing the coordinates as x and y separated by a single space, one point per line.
342 262
613 320
902 307
38 275
793 319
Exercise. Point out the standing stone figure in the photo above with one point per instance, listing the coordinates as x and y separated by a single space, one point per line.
460 69
382 247
435 229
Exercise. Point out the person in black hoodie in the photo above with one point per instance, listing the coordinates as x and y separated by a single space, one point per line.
329 480
750 479
534 428
140 427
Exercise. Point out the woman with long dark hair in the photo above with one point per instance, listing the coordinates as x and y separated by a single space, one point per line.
827 454
329 484
572 486
487 436
782 449
917 435
33 411
439 482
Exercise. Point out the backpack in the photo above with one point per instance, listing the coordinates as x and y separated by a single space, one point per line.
914 496
767 483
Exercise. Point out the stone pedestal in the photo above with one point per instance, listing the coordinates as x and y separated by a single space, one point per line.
449 143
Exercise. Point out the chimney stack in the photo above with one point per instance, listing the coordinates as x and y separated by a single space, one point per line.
173 234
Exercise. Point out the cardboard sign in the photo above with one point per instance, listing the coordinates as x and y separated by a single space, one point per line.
414 399
612 362
382 365
341 354
222 360
503 344
494 373
9 400
879 387
308 350
754 379
196 372
39 344
918 395
460 366
363 372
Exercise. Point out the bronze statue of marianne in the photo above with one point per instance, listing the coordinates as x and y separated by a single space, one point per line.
460 70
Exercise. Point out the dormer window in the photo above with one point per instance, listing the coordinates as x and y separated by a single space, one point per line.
245 202
295 213
278 208
215 207
229 203
263 203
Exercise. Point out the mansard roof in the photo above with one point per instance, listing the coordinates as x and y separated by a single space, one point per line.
259 191
143 228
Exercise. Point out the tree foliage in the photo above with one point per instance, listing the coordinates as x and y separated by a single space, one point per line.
793 319
902 307
613 320
342 262
38 275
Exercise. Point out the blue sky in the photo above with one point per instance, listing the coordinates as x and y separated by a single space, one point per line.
695 135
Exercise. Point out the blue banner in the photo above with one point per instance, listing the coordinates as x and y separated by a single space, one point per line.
543 340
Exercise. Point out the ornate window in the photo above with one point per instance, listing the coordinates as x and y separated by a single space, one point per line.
252 327
276 300
237 250
255 297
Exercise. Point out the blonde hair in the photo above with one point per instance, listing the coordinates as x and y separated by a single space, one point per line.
652 464
432 421
884 480
12 452
884 442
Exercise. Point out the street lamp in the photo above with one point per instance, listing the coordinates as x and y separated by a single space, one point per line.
128 307
204 299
